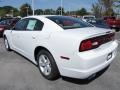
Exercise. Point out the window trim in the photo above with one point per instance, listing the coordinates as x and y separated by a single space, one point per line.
27 24
37 20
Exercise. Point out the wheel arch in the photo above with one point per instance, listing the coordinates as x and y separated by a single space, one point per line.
4 36
39 48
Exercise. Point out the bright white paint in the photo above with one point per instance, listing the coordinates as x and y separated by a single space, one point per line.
64 43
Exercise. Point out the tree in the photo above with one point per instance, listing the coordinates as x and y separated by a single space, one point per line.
58 11
2 12
81 12
8 10
97 10
39 12
24 8
106 7
47 11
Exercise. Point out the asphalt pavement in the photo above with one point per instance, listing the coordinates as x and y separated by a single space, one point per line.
18 73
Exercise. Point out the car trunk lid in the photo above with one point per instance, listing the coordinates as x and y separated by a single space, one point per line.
85 33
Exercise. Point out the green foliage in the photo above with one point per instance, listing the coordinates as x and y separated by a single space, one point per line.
82 12
26 9
23 10
106 7
2 12
44 12
97 9
8 10
39 12
58 11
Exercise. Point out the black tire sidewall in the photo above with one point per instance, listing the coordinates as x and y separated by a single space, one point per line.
54 69
8 49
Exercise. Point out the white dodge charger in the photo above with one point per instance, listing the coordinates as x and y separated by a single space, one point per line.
62 45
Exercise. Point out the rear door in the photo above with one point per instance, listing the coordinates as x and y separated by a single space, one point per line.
28 38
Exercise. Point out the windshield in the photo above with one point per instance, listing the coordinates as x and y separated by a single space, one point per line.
69 22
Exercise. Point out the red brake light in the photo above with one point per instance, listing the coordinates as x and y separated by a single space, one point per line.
86 45
1 29
95 42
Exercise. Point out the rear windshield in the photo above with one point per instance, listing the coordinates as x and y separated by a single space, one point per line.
69 22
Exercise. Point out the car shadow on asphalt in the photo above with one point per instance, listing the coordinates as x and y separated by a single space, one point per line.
85 81
25 58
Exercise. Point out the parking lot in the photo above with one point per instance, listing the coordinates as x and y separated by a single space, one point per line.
17 73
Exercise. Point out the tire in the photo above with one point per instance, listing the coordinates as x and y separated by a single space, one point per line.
117 30
47 65
7 46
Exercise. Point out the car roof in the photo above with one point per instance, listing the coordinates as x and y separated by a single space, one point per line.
37 16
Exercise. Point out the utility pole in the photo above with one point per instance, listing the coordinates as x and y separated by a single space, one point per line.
61 7
33 7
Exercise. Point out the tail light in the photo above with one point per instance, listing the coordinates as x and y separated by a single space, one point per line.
1 29
95 42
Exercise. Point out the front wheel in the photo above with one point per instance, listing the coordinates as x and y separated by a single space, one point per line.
47 65
7 46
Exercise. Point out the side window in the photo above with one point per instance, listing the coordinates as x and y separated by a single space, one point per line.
31 24
21 25
34 25
39 25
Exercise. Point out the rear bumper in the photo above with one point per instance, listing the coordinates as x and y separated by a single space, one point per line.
83 74
86 73
85 64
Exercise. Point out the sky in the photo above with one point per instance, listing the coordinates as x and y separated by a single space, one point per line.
44 4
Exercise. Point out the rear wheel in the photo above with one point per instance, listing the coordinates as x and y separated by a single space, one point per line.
7 46
47 65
